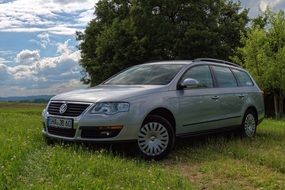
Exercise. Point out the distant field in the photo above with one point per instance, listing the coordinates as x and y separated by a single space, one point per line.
208 162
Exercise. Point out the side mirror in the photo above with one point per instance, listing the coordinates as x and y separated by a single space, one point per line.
189 83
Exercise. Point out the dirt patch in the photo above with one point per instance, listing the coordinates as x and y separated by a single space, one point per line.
203 178
212 180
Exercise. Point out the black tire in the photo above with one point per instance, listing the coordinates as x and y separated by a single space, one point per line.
157 144
249 124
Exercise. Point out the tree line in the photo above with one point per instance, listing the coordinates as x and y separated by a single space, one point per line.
130 32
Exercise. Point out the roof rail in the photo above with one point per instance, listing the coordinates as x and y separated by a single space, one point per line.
216 61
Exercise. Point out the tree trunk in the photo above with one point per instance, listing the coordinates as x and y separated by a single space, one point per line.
281 102
276 105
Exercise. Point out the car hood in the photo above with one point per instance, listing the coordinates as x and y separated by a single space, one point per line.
109 93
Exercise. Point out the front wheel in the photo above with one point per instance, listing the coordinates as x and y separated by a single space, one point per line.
249 124
156 137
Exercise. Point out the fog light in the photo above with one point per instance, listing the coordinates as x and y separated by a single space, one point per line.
105 133
100 131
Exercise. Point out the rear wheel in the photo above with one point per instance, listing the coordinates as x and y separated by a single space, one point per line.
156 137
249 124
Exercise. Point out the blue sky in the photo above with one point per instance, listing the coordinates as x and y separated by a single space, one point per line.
38 53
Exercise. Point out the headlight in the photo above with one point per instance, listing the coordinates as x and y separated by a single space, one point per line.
110 108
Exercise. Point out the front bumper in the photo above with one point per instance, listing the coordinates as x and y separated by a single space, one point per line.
51 136
90 122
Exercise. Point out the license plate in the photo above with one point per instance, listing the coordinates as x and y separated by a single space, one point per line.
60 122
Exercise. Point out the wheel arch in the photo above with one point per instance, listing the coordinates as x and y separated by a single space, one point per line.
166 114
252 108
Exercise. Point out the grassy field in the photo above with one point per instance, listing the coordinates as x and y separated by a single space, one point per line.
210 162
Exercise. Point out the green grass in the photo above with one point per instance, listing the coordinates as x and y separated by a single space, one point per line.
228 162
26 162
210 162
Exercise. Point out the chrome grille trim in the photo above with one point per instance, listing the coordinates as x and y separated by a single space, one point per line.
74 109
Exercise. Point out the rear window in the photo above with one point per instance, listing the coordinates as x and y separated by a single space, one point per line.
225 77
243 78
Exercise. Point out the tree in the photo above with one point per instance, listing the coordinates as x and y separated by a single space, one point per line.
263 55
130 32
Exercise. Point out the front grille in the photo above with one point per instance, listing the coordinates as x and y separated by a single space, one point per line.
73 109
61 132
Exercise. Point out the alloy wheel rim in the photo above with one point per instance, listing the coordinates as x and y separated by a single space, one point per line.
153 139
249 125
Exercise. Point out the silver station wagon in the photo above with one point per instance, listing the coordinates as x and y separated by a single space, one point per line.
154 103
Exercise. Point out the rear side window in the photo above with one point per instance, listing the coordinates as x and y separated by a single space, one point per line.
225 77
243 78
202 74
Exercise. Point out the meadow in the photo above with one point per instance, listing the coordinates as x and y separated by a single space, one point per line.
220 161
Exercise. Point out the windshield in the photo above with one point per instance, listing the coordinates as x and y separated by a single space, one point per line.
155 74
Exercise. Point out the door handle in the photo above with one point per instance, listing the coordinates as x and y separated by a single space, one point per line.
215 97
241 96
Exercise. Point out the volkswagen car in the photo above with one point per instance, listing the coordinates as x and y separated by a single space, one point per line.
154 103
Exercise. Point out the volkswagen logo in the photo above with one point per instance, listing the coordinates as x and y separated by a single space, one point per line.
63 108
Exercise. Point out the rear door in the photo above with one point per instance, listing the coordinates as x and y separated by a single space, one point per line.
245 86
230 96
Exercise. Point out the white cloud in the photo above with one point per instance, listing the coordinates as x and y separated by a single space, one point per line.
52 90
63 48
86 16
42 75
4 73
256 6
44 39
54 16
26 57
6 52
263 4
3 60
68 1
58 30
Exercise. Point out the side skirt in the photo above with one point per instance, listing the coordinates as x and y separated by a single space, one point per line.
206 132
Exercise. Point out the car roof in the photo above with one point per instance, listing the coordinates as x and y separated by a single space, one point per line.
198 61
182 62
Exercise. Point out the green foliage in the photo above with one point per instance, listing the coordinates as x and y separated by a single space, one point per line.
261 20
254 56
263 52
126 33
263 55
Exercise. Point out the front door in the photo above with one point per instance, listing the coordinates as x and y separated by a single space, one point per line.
199 107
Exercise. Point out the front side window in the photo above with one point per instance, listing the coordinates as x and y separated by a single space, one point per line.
149 74
243 78
202 74
224 77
